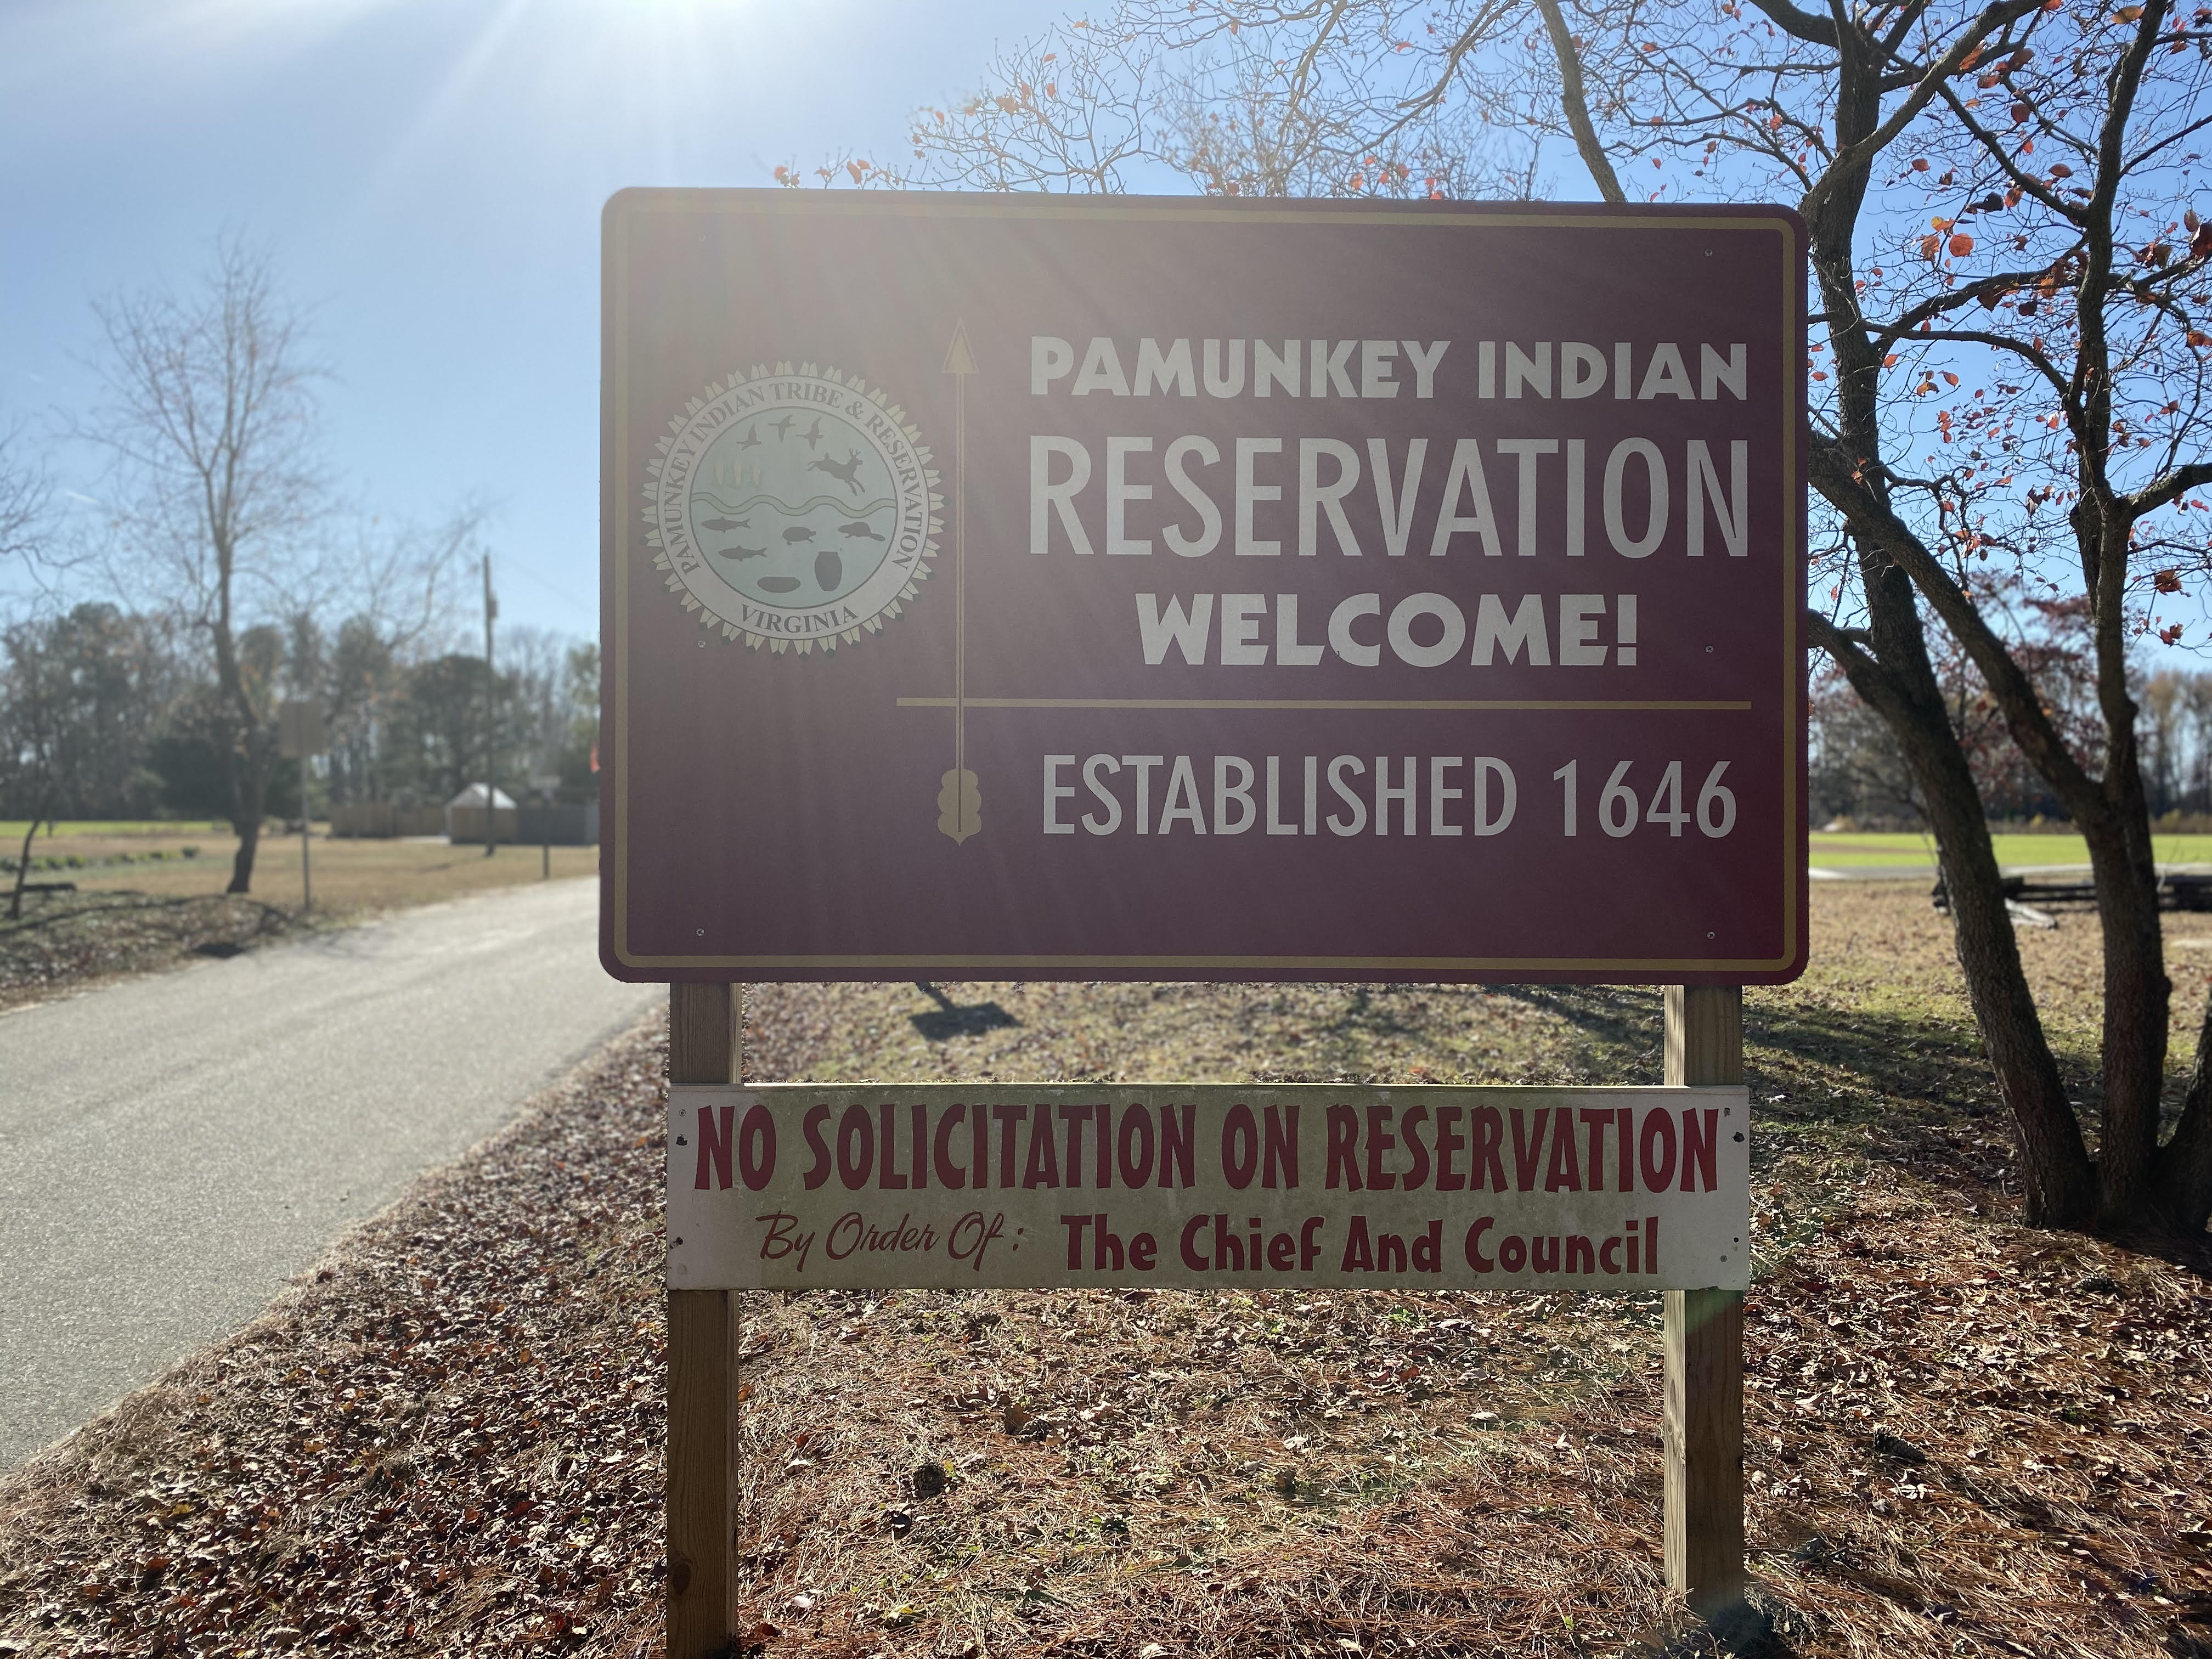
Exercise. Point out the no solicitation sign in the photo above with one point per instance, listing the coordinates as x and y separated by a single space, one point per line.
795 1187
1147 588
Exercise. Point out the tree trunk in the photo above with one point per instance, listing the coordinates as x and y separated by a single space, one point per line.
2182 1195
1898 680
244 767
23 860
245 780
250 796
2059 1182
1900 685
2137 1006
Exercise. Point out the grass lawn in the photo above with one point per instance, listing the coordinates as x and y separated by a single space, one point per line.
11 831
2014 851
171 860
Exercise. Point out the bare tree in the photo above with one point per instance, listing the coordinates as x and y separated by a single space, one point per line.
381 602
1323 99
25 494
542 712
2010 413
2196 784
30 730
2161 696
2018 393
211 420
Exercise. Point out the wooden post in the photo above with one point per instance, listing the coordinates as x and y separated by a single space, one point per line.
705 1037
1704 1424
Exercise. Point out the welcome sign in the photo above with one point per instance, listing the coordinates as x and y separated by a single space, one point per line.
1144 588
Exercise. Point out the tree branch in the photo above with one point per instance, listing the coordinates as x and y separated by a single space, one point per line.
1873 522
1802 24
2028 354
2164 492
1861 154
2027 183
1576 104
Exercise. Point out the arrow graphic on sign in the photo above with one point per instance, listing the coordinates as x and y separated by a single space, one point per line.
959 802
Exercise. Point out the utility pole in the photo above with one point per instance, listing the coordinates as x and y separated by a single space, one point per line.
491 719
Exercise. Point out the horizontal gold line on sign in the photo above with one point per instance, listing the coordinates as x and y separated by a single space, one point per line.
1354 705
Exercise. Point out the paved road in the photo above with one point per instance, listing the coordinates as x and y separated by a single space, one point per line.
173 1149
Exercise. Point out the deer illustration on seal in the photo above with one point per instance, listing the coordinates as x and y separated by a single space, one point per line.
847 472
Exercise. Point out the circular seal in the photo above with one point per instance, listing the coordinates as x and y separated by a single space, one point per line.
793 508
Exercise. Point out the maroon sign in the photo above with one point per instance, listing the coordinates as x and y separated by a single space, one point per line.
1122 588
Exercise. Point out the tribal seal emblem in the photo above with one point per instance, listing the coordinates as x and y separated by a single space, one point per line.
793 508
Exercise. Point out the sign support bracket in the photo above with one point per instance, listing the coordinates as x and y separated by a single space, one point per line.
705 1045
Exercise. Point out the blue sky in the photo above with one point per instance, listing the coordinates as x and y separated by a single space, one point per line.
429 174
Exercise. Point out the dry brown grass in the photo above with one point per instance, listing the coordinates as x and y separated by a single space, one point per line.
1895 1300
140 905
1964 1438
1941 1461
350 876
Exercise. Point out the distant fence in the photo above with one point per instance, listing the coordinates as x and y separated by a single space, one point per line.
570 825
379 820
563 826
467 823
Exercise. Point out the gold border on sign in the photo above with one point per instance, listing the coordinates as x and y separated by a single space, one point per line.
626 204
1325 705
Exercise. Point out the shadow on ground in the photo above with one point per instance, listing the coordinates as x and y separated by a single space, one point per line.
1887 1089
950 1019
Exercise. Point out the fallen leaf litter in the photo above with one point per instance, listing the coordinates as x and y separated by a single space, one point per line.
1962 1436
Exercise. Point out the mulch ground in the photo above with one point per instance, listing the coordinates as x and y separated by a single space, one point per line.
1964 1437
64 943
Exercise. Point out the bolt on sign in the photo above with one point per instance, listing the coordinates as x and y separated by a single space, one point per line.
796 1187
1114 587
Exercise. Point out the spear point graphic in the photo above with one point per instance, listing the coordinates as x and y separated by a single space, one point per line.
960 801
